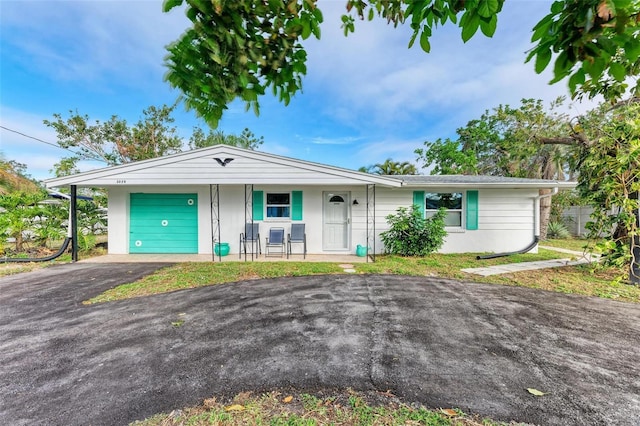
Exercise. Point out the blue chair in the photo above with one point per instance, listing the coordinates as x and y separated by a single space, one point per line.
251 235
275 241
297 236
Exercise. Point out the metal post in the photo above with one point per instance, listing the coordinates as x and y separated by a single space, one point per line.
248 217
217 199
371 222
634 272
74 223
215 220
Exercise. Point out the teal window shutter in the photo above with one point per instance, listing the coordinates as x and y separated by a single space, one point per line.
472 210
418 200
258 205
296 205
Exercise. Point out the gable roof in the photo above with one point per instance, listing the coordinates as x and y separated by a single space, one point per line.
479 181
221 164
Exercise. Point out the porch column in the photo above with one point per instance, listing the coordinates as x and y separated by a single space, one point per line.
634 275
371 222
216 238
248 218
74 223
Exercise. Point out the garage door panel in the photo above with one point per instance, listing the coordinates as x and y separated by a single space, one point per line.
163 250
162 204
163 223
161 213
160 236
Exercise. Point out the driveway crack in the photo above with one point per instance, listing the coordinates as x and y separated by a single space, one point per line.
373 332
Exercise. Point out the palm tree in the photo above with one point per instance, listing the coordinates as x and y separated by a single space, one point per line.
390 167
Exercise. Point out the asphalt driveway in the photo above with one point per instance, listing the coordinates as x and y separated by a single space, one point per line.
438 342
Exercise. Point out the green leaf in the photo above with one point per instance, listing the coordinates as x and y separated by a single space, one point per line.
488 8
424 42
317 13
557 7
541 28
535 392
315 29
576 78
170 4
488 28
562 66
618 71
244 81
632 50
542 60
306 28
413 39
470 27
595 68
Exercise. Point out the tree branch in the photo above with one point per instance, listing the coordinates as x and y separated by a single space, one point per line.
632 100
572 140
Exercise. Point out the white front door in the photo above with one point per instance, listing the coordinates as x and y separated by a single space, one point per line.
336 221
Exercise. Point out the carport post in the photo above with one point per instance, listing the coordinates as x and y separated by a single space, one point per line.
634 272
74 223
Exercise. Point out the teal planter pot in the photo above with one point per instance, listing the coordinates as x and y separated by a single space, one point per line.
221 249
361 251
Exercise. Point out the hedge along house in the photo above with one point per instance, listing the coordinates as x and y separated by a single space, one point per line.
186 202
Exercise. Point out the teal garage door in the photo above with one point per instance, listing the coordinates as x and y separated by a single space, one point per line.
163 223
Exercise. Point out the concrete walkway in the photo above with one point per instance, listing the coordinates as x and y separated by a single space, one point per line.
578 258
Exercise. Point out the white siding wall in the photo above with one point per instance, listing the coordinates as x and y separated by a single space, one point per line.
232 214
506 217
240 171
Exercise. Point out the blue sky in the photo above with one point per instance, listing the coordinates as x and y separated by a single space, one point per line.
366 97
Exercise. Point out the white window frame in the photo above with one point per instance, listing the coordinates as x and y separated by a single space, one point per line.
267 205
461 210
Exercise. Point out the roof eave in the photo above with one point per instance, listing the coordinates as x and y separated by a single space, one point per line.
492 185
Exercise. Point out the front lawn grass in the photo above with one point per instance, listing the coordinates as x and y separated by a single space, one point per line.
576 244
199 274
575 279
347 408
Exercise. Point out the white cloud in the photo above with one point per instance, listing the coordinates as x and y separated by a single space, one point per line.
345 140
398 150
92 42
372 74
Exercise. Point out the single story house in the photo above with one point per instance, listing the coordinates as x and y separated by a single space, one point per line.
184 203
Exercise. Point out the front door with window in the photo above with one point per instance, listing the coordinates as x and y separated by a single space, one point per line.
336 221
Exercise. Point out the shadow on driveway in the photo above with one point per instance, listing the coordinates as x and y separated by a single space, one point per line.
438 342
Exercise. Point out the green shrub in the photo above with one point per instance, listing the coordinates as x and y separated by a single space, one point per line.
557 230
412 235
86 242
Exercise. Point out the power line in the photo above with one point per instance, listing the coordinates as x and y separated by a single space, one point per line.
37 139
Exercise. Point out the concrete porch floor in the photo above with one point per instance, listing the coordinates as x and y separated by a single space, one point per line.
173 258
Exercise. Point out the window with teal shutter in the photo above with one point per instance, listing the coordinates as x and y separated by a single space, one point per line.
296 205
258 205
451 202
418 199
472 210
